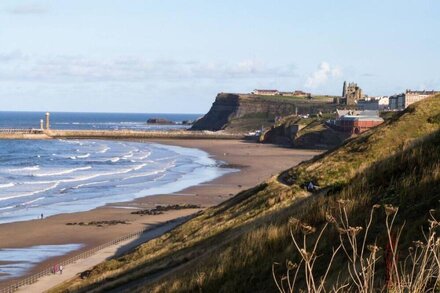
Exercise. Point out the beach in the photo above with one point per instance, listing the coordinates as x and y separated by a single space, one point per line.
256 163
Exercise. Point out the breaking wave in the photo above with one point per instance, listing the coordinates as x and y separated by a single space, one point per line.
61 176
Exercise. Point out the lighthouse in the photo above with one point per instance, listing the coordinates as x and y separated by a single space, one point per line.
47 120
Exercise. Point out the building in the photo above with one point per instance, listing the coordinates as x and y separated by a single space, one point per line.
340 113
295 94
280 93
266 92
351 93
355 121
373 103
403 100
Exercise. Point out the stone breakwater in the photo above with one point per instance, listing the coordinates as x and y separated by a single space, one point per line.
116 134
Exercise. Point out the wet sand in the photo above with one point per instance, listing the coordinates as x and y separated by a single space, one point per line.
256 162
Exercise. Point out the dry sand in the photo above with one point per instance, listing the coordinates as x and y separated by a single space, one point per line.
256 162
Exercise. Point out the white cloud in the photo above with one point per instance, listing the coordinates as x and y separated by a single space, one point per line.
22 67
324 72
11 56
29 8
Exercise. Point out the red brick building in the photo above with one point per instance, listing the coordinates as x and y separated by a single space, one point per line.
355 124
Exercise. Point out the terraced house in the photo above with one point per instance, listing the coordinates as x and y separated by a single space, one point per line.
403 100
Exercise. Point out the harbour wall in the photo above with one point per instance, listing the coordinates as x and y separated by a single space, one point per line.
118 134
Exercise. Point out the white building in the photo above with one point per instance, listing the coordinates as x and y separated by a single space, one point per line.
373 103
266 92
403 100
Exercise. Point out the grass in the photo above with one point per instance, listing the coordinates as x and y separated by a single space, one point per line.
418 272
297 99
232 247
282 105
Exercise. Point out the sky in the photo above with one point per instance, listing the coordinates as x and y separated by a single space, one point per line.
174 56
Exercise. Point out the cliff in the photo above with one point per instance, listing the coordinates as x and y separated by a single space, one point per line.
243 112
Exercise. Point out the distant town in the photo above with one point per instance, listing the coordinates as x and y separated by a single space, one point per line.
356 112
353 95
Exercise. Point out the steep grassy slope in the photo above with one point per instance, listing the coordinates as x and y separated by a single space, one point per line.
231 248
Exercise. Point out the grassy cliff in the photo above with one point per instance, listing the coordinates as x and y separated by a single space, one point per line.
244 112
232 247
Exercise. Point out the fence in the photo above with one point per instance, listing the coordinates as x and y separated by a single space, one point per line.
48 271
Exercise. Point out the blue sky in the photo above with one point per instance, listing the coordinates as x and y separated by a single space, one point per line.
173 56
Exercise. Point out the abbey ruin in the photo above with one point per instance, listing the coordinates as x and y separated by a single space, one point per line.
351 93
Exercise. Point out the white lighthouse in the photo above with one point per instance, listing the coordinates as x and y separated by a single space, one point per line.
47 120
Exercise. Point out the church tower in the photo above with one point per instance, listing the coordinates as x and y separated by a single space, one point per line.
344 89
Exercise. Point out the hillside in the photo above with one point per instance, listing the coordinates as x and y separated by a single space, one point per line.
245 112
232 247
304 133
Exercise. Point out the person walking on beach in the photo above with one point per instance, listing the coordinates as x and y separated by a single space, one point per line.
61 269
42 216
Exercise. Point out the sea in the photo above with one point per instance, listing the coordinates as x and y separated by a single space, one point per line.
93 121
59 176
49 177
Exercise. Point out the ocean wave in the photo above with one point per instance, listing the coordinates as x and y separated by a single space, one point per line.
31 168
145 174
84 178
145 156
10 184
83 185
138 167
83 156
167 158
6 208
127 156
64 172
30 193
114 160
63 185
90 184
68 141
104 150
32 201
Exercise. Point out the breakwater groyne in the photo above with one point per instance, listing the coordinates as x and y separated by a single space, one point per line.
13 133
114 134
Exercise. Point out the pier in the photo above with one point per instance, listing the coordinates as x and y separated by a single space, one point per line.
16 133
113 134
45 132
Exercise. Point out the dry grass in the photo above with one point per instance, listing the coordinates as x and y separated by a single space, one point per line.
418 272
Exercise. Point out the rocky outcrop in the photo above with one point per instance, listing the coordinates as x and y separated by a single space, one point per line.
229 109
294 132
282 134
160 121
222 111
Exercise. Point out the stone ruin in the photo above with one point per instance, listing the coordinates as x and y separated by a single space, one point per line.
351 93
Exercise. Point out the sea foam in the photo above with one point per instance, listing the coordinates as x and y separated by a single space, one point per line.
102 172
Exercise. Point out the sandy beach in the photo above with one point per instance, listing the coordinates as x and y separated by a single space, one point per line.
256 162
